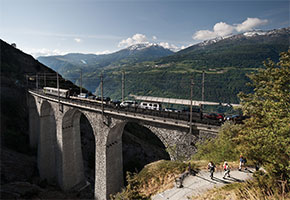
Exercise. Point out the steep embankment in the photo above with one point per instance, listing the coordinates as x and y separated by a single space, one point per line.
15 66
18 163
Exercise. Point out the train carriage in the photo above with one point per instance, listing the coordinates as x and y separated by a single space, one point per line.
54 91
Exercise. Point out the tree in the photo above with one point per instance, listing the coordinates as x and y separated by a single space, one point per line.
265 137
221 148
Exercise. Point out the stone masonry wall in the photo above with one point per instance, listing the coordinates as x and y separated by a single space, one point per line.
108 132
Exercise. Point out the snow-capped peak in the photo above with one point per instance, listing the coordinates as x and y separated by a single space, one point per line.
254 33
211 41
248 34
271 32
141 46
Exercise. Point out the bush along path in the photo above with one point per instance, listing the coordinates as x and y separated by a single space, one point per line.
194 185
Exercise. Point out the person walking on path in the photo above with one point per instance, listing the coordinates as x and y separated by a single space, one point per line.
244 162
226 169
211 168
241 162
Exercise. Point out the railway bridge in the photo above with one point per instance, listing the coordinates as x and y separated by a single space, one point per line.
54 124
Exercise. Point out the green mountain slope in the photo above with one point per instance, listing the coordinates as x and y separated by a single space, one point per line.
226 61
244 50
69 65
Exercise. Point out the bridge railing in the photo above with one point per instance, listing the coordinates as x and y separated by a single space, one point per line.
181 116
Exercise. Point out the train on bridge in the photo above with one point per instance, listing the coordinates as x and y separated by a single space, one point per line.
154 108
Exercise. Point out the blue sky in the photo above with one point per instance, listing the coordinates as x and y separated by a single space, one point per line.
47 27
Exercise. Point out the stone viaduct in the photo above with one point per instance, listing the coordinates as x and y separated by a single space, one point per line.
55 133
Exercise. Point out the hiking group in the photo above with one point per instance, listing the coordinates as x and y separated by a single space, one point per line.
211 166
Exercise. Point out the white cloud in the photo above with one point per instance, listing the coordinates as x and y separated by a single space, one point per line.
220 29
102 52
166 45
250 23
204 35
44 52
135 39
223 29
142 39
78 40
184 47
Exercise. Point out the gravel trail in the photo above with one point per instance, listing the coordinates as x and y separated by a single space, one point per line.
196 185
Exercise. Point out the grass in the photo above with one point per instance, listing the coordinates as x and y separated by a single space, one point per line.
154 178
159 176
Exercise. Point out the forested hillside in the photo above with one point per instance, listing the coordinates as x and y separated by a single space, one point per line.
225 61
245 50
70 65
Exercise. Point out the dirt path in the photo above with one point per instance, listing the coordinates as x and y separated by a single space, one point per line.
195 185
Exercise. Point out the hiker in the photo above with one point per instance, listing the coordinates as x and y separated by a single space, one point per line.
189 168
241 162
257 166
226 169
211 168
244 162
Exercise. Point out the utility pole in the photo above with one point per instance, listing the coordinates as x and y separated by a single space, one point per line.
81 82
36 81
102 95
202 89
123 85
191 94
202 95
44 79
57 84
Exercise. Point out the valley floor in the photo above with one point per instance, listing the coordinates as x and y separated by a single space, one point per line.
197 185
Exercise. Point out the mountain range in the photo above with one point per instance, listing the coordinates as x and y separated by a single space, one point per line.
152 70
90 62
248 49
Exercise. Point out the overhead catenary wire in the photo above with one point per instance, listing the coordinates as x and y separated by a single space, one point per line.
163 83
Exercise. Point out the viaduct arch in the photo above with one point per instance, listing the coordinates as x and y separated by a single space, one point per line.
59 144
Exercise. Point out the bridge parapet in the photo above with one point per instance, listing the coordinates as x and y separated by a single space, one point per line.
136 114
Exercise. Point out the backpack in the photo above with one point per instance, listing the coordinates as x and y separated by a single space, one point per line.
225 167
213 167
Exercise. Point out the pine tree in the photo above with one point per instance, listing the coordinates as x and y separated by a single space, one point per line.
265 137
